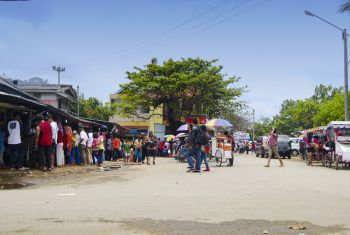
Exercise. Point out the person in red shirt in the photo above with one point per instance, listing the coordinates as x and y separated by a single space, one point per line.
44 144
116 148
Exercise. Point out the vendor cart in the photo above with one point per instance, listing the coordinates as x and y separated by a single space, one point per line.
221 150
338 144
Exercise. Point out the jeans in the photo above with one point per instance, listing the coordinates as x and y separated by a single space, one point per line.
75 151
205 159
138 155
196 152
15 155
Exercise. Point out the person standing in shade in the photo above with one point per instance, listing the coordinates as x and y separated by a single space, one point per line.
44 144
15 144
59 148
83 139
54 130
273 147
67 143
116 144
75 149
89 146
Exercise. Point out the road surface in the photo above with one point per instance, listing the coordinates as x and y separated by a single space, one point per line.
164 199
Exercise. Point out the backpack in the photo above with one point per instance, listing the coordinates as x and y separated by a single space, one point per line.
202 137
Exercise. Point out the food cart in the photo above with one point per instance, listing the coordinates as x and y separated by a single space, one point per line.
221 146
221 150
338 144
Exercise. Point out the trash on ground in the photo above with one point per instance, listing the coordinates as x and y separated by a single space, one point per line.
296 227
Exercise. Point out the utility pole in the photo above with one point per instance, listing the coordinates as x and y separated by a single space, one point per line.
346 89
78 100
253 124
59 70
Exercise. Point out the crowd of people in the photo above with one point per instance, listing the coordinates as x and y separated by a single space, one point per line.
54 144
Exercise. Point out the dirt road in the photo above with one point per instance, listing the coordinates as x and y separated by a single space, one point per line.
164 199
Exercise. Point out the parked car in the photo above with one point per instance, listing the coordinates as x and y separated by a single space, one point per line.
284 147
261 146
295 145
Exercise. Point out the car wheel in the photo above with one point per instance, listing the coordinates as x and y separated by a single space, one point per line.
295 153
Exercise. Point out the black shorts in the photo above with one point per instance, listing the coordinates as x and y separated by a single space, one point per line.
151 153
310 150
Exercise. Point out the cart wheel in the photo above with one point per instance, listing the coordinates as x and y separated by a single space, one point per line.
218 158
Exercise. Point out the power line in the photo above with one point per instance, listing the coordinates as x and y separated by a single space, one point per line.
164 32
240 4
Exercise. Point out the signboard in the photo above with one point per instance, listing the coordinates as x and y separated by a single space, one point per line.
201 119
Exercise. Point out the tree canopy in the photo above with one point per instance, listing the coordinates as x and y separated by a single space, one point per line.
95 109
325 105
183 87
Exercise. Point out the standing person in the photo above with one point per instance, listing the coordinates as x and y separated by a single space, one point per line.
89 146
101 147
109 148
95 148
151 144
116 147
161 145
15 144
126 152
83 139
143 149
59 148
232 141
75 149
193 147
67 143
273 147
137 149
54 130
2 145
205 149
44 145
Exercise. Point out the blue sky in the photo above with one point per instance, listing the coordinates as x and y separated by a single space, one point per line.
277 51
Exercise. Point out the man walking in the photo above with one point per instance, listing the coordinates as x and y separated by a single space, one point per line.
193 148
82 145
15 144
44 144
273 147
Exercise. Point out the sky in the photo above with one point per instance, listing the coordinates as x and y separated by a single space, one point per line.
278 51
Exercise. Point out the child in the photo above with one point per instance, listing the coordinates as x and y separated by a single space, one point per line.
126 152
95 148
131 159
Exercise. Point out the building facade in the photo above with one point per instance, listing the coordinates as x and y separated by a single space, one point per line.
147 120
63 97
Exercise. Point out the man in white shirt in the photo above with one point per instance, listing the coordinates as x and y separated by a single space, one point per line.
82 145
15 144
54 130
89 147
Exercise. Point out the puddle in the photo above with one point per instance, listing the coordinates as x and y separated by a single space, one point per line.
14 185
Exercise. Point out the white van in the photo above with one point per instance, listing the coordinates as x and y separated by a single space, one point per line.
295 145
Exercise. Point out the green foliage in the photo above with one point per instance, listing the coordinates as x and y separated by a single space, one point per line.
263 127
95 109
183 87
321 108
332 110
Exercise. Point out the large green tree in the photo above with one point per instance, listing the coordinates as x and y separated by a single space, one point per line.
345 7
96 109
296 115
181 87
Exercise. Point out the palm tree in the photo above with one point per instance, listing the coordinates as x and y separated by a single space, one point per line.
345 7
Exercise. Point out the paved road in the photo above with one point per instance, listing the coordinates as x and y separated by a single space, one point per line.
164 199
